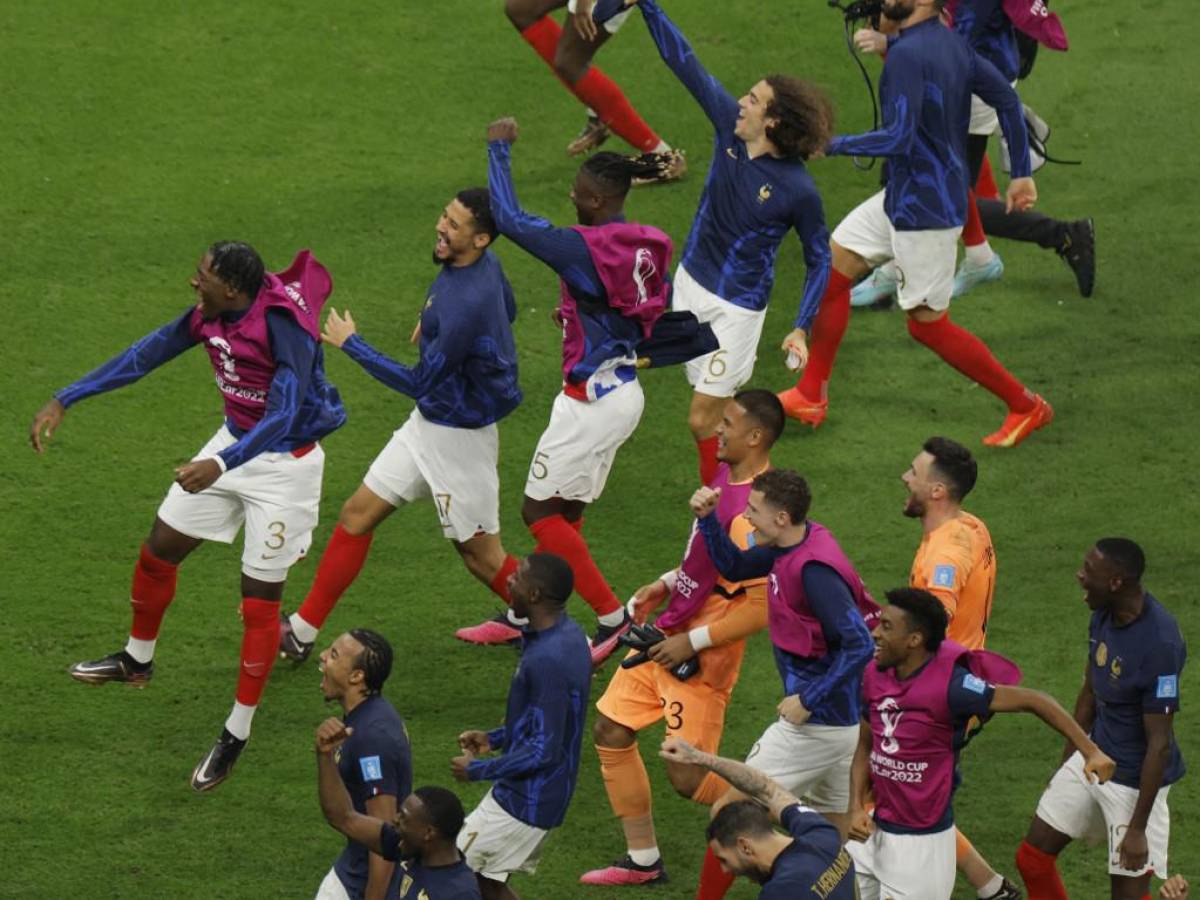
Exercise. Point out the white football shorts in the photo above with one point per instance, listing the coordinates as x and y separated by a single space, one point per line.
925 260
613 25
276 495
456 467
810 761
331 888
904 866
722 372
1080 809
495 844
576 451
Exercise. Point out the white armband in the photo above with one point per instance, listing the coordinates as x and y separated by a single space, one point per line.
700 638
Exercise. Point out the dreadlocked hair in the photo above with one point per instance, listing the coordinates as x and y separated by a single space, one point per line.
803 117
239 266
613 172
375 661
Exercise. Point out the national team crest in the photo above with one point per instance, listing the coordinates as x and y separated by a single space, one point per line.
1102 654
764 193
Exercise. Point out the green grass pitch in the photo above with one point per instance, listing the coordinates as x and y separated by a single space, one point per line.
136 133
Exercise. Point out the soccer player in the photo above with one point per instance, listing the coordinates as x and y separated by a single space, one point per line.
464 383
757 190
569 52
957 564
374 762
918 697
263 467
540 741
925 93
614 288
707 618
421 838
807 863
816 605
1128 701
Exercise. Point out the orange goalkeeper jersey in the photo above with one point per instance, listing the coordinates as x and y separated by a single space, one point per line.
956 563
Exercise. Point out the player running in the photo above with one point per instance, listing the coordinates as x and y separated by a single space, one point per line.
816 604
464 383
956 563
925 94
806 863
707 619
1128 702
614 288
919 697
757 190
539 743
262 468
569 52
373 762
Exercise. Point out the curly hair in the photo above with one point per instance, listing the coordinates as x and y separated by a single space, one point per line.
803 114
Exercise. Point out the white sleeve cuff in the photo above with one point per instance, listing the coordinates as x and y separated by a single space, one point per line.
220 462
669 578
700 638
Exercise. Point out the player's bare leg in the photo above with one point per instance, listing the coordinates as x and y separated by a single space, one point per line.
704 415
152 592
340 564
483 555
808 401
490 889
987 882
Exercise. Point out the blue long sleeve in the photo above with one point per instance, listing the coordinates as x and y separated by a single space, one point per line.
731 561
809 223
992 89
160 346
535 740
901 110
442 355
562 249
294 350
831 602
717 103
498 737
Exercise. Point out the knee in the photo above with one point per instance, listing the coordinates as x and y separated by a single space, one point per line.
568 67
704 416
354 518
607 733
685 779
519 14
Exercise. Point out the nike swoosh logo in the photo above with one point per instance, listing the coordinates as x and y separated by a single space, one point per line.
271 556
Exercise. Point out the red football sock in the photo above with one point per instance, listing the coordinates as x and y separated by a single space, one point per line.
828 328
577 525
555 535
499 584
1040 874
152 592
714 881
594 89
985 184
972 233
340 564
971 356
601 93
707 449
260 647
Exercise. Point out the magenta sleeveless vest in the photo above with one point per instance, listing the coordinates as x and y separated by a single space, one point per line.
793 626
632 261
913 730
697 576
240 351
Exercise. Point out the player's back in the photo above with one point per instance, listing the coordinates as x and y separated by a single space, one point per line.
956 562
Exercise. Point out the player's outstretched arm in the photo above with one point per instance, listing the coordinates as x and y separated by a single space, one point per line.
1008 698
158 347
717 103
335 801
751 782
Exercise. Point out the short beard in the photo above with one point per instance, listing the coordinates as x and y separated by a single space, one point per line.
900 10
913 509
438 261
